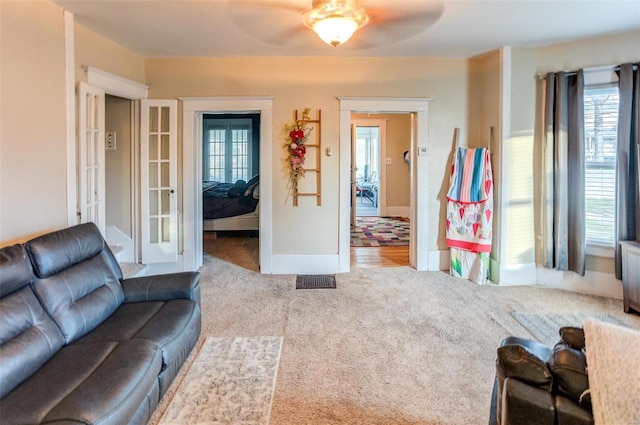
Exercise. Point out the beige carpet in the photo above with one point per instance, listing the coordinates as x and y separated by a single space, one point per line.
388 346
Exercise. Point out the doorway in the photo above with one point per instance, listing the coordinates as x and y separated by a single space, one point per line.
417 109
194 110
380 234
231 187
119 178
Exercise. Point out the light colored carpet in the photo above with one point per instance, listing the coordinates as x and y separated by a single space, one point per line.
545 327
231 381
388 346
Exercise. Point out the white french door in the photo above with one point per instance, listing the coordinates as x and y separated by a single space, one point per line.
158 181
91 157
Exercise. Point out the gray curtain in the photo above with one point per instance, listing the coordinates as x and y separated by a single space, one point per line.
563 242
627 178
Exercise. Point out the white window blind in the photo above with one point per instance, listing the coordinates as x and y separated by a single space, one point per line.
601 133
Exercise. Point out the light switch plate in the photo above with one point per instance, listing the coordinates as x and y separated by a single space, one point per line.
110 140
422 150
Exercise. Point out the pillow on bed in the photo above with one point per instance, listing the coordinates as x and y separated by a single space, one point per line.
256 192
237 189
249 191
253 180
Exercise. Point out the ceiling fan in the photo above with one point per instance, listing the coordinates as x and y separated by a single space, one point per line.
371 22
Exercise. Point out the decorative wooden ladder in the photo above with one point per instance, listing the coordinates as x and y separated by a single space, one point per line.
317 130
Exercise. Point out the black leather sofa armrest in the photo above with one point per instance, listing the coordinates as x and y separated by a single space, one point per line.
525 360
569 368
526 405
573 336
185 285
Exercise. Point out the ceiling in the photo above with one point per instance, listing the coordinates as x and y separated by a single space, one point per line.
398 28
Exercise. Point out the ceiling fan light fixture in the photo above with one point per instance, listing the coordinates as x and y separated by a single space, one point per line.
335 21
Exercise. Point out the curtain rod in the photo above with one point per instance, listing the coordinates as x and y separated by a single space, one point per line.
569 73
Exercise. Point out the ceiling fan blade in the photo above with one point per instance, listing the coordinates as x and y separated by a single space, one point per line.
395 22
277 22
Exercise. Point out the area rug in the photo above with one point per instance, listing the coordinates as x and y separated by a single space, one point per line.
380 231
545 327
231 381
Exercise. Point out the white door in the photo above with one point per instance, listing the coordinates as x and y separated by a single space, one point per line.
91 170
158 181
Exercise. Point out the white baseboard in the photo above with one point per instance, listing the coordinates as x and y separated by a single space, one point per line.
512 274
439 260
305 264
594 283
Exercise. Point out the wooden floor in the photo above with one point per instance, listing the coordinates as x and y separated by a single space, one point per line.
387 256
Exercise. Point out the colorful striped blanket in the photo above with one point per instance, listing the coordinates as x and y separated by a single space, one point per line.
470 201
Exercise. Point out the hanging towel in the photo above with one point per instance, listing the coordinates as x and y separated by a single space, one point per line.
470 201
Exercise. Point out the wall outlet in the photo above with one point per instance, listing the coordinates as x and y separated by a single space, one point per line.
388 161
110 140
422 150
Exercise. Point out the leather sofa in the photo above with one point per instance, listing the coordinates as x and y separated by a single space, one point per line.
81 345
538 385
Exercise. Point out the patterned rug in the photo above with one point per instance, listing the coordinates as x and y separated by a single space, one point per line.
380 231
230 382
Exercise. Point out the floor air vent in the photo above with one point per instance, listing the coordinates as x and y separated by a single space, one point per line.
316 281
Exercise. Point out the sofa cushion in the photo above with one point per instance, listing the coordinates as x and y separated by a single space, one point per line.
80 297
28 337
15 269
57 251
569 413
524 404
173 325
100 383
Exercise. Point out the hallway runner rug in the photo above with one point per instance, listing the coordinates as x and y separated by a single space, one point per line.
230 382
380 231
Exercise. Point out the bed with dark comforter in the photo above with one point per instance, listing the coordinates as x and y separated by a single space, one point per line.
225 200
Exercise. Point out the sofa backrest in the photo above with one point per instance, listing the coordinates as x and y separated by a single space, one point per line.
77 282
28 336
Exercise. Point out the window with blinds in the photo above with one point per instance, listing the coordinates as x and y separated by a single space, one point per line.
601 134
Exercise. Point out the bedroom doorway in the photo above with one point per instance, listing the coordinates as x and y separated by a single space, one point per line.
231 187
194 110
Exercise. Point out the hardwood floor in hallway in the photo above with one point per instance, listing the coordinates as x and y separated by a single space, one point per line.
386 256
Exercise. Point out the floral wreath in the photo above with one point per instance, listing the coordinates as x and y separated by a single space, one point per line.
297 136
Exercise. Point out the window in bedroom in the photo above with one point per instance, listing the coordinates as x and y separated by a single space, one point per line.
230 148
601 135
